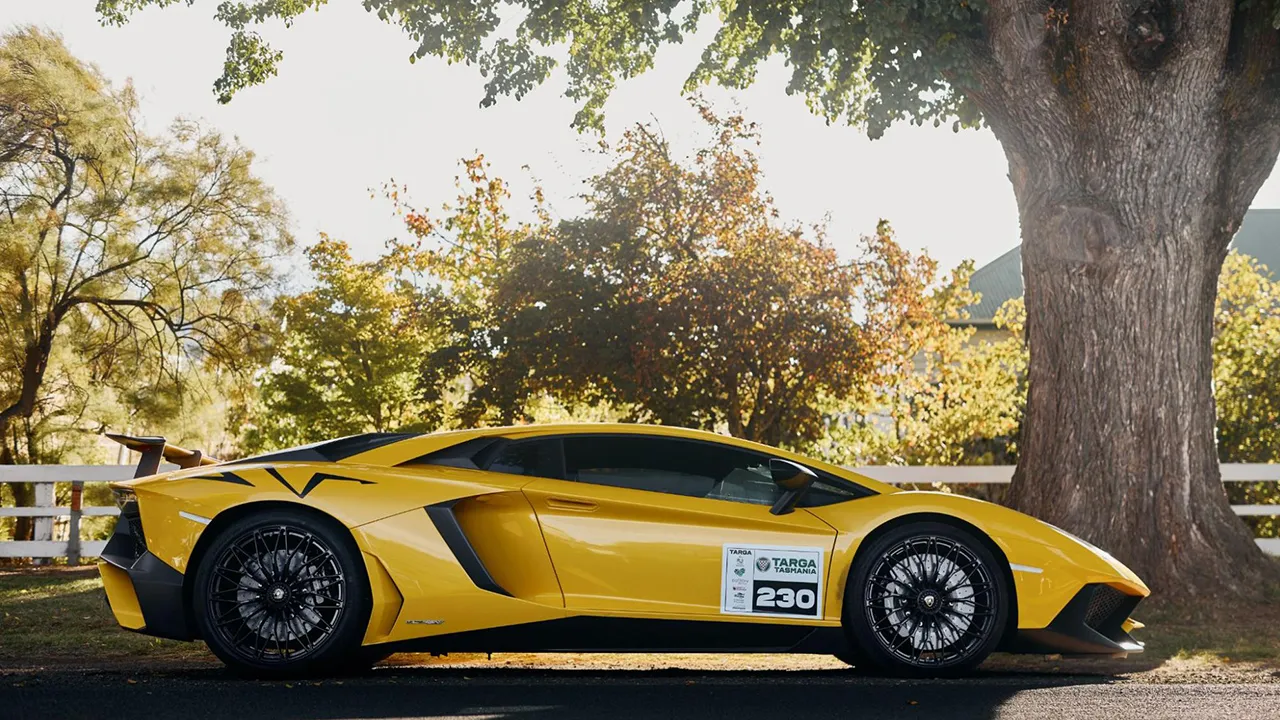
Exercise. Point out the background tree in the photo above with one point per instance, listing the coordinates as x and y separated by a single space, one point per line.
1137 133
943 398
350 354
144 256
1246 377
465 252
678 295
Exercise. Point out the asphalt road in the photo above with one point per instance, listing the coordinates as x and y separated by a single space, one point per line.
520 694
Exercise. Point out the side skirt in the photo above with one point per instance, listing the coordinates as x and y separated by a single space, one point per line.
601 634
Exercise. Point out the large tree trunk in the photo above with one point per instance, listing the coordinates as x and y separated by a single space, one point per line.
1133 157
1119 435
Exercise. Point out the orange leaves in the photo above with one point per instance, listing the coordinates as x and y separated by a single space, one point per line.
419 225
679 294
685 297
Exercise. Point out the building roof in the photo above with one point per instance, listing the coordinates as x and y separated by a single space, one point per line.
997 281
1001 279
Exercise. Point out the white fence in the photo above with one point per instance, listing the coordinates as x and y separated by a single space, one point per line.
45 512
73 548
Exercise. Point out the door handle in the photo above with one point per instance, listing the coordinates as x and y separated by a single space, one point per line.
571 504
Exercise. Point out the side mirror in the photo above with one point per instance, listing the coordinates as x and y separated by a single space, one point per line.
794 481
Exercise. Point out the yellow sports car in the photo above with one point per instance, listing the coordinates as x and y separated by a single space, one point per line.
328 557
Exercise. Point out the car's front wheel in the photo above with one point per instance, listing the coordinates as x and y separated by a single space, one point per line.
282 593
925 599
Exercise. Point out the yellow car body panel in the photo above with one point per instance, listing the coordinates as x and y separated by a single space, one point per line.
454 550
122 597
1047 565
439 597
387 601
625 551
505 533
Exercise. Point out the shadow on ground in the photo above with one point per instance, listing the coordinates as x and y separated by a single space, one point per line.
62 656
402 692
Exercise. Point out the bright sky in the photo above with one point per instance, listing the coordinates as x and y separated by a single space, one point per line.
348 112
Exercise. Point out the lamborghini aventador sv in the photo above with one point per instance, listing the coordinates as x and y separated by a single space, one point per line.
328 557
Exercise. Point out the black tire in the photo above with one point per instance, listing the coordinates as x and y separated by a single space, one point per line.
282 593
925 599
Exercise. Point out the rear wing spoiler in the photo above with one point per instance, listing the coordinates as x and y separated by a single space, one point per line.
155 449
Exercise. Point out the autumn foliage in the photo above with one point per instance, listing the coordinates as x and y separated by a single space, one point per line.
678 297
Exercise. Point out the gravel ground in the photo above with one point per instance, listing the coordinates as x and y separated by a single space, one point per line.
519 693
62 656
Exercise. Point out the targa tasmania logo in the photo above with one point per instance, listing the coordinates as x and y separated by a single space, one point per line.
764 564
793 566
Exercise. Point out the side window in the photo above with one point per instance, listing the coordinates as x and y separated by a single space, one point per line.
540 458
672 466
656 464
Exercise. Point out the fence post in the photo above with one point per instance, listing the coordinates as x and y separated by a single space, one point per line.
73 524
42 528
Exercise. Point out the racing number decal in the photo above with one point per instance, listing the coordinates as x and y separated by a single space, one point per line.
776 581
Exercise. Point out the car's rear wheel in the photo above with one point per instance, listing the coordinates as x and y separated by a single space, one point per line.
282 593
925 599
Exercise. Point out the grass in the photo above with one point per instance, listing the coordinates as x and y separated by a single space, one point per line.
58 617
1224 633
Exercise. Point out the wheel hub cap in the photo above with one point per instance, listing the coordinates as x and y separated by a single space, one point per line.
278 594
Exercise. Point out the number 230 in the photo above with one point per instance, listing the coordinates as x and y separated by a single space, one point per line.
785 598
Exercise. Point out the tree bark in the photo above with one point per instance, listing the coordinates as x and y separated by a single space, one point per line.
24 494
1133 163
1119 434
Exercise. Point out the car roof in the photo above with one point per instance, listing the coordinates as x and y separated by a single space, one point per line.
414 447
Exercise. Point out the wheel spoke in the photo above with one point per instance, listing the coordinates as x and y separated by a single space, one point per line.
297 593
931 549
235 614
911 605
960 634
301 547
245 625
275 636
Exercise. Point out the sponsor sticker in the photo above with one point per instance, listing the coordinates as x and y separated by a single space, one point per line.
771 581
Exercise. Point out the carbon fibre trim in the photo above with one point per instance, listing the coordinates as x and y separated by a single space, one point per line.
1089 624
227 477
158 587
602 634
446 523
316 479
328 451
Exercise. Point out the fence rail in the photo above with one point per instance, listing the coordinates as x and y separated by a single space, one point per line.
73 548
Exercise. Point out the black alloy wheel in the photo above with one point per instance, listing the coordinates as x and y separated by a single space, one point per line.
926 599
282 593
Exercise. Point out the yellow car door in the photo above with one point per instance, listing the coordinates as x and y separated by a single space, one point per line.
666 527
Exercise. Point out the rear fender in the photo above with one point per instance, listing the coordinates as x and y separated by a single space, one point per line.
177 507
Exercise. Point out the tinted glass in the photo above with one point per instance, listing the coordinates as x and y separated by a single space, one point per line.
527 457
682 467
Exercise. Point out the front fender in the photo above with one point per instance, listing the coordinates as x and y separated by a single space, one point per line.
1048 566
